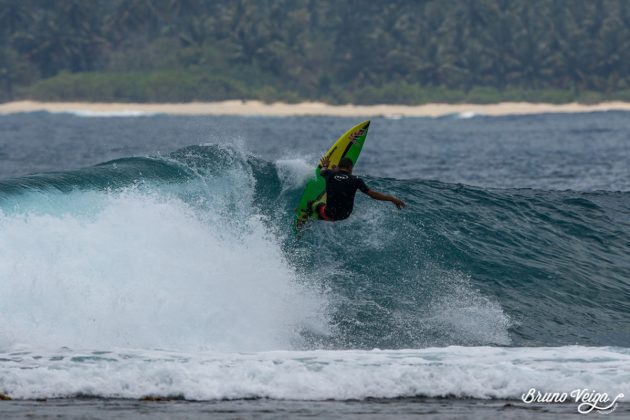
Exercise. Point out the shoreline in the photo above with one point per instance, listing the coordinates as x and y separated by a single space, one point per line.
258 108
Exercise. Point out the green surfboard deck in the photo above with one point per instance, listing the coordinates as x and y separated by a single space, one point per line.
348 145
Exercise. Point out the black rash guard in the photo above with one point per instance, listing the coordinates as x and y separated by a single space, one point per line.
341 188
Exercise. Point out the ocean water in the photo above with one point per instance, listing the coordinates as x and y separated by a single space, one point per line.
152 257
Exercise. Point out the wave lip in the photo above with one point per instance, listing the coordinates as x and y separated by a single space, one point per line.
459 372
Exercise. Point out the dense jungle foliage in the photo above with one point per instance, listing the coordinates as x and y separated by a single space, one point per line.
352 51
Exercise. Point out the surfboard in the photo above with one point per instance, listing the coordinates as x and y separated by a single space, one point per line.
348 145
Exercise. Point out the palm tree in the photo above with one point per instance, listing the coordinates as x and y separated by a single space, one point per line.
14 16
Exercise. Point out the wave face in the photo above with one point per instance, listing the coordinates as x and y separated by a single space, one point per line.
194 251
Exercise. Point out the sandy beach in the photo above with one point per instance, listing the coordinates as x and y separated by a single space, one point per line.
246 108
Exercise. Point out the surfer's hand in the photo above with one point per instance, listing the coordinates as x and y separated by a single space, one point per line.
398 203
325 161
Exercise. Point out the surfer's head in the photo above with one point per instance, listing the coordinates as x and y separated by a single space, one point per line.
345 164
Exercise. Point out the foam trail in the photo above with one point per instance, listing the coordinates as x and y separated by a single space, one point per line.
463 372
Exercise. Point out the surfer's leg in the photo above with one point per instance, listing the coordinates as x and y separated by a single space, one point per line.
321 212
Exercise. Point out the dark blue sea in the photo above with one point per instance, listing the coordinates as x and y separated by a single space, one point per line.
148 267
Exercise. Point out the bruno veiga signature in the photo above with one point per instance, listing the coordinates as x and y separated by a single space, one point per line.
587 400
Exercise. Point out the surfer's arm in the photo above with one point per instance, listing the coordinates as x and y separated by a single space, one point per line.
325 164
384 197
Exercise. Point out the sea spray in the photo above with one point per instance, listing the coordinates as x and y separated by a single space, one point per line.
141 267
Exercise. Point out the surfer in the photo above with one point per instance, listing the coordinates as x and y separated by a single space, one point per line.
341 187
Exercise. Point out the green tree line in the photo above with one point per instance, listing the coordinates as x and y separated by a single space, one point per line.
360 51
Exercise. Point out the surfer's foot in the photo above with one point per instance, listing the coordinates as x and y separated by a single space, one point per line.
309 207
